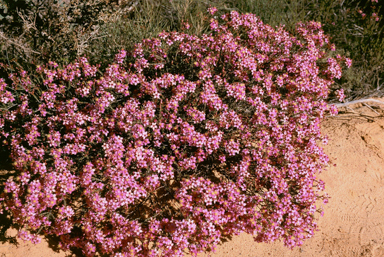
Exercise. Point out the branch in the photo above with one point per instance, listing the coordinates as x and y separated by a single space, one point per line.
8 40
358 101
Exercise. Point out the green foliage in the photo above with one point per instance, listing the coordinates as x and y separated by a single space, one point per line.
36 31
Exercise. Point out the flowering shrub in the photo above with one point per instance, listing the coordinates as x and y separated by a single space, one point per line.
176 145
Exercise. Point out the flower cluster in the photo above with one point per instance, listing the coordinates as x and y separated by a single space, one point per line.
374 15
139 161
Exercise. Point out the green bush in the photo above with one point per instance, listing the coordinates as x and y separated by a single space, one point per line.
34 32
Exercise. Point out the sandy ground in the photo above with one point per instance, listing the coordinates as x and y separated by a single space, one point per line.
353 223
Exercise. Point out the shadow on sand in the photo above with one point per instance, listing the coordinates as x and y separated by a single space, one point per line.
5 218
6 223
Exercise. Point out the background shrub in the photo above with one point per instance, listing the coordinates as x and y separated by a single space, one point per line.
35 32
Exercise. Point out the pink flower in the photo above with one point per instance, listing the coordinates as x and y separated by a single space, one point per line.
340 95
348 62
212 10
186 25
